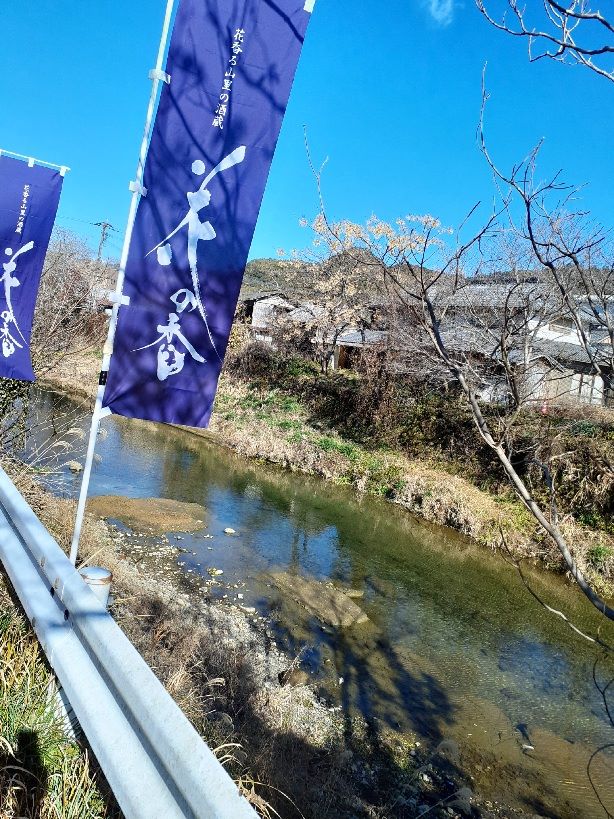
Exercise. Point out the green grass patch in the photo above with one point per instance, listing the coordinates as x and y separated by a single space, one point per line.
599 555
341 447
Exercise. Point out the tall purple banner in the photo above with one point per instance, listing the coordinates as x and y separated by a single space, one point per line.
231 65
29 198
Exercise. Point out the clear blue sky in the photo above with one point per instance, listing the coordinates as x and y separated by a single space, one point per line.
389 93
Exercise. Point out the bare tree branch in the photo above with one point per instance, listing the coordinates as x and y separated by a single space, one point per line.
574 33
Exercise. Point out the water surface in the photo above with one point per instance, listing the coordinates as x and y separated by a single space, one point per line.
456 648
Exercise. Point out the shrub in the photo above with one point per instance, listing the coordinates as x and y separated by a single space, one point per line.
252 360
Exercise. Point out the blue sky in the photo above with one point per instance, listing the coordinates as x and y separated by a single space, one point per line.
389 92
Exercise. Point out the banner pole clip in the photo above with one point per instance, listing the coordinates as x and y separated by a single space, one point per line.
136 187
118 298
158 74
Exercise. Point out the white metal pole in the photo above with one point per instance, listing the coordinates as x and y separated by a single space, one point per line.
137 189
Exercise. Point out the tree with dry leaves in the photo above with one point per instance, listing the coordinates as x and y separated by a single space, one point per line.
334 296
438 280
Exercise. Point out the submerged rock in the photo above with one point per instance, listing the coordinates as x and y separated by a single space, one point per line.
74 466
355 594
330 605
154 515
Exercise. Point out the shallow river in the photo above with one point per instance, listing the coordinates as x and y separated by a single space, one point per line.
456 648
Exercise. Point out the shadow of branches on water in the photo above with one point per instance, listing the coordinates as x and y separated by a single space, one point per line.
286 749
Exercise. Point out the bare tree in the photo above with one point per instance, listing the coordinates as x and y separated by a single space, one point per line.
434 278
64 325
64 322
575 255
574 32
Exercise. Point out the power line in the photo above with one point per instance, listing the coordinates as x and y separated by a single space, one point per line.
74 219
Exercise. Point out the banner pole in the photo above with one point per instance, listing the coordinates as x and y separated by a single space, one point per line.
157 76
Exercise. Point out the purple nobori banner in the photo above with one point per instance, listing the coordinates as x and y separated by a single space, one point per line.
231 64
29 198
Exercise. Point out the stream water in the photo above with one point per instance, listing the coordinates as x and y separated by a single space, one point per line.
456 648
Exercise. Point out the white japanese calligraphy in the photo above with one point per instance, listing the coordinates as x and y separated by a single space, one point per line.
21 217
9 342
197 231
236 49
170 359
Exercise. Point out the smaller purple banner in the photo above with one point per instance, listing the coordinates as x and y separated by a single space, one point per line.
29 198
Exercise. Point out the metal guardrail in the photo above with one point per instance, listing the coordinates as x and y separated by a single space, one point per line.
154 761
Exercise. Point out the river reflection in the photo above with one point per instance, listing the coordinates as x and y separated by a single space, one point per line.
455 646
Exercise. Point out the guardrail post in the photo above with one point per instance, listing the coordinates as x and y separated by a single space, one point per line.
99 581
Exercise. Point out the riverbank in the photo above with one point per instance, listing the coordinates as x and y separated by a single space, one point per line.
156 563
273 426
289 750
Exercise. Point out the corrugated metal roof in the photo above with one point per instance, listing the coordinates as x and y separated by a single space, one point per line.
366 338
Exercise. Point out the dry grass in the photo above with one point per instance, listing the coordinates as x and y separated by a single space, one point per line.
43 775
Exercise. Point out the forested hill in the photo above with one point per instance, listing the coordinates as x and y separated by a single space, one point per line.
268 276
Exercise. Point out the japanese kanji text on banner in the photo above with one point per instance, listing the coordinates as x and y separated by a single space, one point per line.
231 65
29 197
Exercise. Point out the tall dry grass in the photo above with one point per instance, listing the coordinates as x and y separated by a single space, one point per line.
43 773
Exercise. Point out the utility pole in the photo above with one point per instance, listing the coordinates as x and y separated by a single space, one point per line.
105 227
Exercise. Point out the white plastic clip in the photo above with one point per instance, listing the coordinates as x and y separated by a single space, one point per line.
309 5
104 412
63 170
30 162
158 74
136 187
118 298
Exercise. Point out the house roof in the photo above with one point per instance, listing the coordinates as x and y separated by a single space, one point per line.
366 338
495 295
276 301
262 295
467 339
305 312
563 352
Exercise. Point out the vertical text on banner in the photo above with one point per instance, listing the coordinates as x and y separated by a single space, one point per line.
29 198
231 65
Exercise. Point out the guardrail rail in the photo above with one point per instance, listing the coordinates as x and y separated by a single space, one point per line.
153 759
